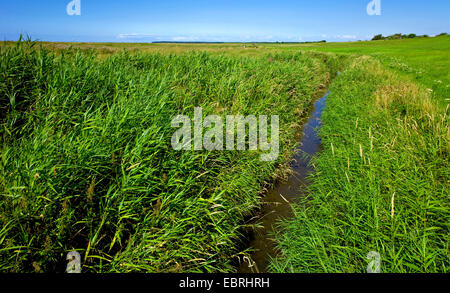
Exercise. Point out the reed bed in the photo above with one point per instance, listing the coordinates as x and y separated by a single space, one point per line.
86 162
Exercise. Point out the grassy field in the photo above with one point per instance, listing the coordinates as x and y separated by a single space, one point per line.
86 162
425 60
422 60
382 179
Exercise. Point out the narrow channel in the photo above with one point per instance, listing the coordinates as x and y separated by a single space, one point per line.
277 202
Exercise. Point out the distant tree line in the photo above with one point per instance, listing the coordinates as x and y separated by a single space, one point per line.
199 42
401 36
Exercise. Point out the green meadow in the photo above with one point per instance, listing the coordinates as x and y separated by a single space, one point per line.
423 60
86 162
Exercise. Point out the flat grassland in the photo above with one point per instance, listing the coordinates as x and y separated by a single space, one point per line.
425 60
86 162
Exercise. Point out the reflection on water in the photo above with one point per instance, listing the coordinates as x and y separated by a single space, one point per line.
277 201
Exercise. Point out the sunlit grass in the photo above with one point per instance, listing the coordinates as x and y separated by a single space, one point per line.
381 182
86 162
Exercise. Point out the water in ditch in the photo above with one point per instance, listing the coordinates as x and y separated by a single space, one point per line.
277 202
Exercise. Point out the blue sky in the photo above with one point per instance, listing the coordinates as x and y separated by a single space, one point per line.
224 20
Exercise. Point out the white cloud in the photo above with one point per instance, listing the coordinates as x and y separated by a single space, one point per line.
134 36
346 37
185 39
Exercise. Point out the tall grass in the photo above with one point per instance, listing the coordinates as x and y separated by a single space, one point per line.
86 162
381 182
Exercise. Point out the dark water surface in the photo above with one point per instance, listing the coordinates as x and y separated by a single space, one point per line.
277 202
